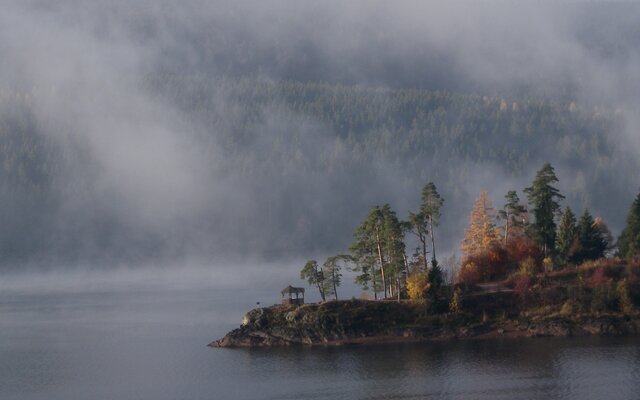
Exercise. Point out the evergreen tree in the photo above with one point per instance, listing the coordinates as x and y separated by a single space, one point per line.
430 208
544 199
591 244
419 226
395 250
629 240
605 234
364 256
567 234
514 215
332 268
375 228
314 276
436 278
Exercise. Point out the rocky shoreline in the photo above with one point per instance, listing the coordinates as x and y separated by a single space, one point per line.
351 322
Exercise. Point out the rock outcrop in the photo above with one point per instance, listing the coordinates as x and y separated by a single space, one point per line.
362 322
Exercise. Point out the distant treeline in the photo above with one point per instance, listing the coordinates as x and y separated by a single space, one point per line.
407 127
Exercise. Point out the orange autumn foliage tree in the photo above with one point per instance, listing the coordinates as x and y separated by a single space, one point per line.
524 248
482 233
469 274
493 263
498 261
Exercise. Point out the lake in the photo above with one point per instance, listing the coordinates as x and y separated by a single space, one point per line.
136 340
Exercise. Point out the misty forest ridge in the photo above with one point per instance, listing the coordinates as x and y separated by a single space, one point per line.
291 152
231 129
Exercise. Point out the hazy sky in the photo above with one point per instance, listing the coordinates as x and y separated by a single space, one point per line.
144 170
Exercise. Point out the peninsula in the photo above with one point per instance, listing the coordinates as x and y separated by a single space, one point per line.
558 304
555 276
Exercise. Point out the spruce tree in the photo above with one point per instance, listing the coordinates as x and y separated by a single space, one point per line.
567 234
545 201
591 244
629 240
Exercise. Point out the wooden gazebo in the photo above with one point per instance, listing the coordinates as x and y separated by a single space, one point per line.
289 292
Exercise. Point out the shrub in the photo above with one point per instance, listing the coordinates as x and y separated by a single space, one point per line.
569 308
499 261
469 274
418 285
547 263
492 263
522 287
455 303
632 269
600 299
624 298
523 248
528 267
599 277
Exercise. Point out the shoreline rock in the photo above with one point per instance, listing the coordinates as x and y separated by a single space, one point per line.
354 322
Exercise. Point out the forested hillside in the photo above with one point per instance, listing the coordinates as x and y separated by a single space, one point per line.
291 167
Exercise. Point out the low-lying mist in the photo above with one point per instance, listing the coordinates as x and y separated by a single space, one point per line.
192 132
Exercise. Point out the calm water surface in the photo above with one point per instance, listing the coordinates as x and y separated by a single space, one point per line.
137 343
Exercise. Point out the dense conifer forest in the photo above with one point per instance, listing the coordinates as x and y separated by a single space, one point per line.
313 156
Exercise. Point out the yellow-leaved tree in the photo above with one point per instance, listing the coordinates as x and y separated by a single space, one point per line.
482 232
418 285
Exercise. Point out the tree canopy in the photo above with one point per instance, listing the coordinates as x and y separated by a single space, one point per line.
567 234
629 240
544 198
482 232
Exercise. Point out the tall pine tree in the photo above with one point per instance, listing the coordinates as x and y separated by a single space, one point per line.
419 226
545 201
331 269
364 255
375 228
315 277
514 214
395 251
430 208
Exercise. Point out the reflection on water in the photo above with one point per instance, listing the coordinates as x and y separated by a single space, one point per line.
150 344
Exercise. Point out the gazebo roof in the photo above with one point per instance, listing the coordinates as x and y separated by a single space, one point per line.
292 290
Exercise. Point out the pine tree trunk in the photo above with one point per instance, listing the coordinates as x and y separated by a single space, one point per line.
424 253
384 283
320 282
335 288
433 240
373 281
321 291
